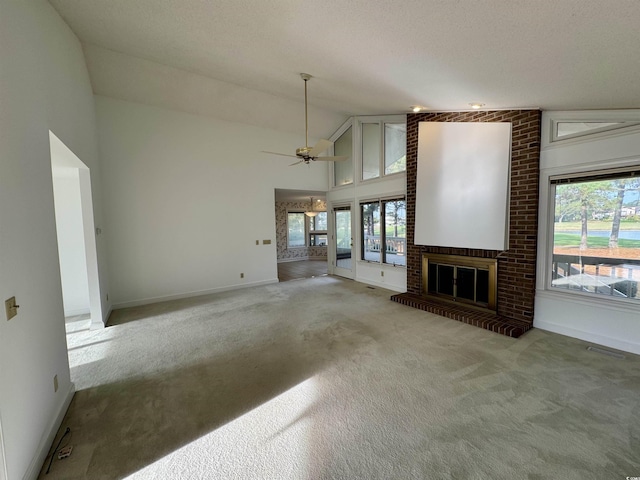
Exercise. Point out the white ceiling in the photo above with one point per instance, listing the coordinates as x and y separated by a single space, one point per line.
367 56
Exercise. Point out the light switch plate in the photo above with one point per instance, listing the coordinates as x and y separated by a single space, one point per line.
11 308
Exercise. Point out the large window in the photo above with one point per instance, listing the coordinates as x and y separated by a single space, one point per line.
596 234
384 236
383 148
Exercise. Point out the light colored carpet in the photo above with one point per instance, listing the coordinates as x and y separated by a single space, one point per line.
328 379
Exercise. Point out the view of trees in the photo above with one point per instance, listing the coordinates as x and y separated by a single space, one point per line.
602 200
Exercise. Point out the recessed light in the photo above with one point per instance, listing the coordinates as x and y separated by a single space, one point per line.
476 106
416 108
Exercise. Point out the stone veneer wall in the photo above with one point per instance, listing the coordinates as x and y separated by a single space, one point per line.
517 265
300 253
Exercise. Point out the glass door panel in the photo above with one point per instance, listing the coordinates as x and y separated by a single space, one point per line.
343 238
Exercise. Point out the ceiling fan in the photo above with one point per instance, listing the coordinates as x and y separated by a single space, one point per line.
308 154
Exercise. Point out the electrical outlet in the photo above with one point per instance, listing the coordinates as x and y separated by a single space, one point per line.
266 242
55 383
257 242
242 275
382 273
11 308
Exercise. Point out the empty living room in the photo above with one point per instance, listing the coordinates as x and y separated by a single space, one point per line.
460 177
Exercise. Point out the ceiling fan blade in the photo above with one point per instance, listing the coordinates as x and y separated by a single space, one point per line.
297 163
281 154
320 147
331 159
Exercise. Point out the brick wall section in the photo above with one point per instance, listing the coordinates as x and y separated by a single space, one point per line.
516 266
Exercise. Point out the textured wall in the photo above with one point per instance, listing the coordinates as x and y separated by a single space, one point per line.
285 253
517 265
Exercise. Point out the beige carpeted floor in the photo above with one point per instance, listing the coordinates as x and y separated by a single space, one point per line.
327 379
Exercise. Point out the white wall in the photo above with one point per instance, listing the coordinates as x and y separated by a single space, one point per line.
70 233
189 197
594 319
43 86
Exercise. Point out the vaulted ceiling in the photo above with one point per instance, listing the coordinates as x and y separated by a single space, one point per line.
242 58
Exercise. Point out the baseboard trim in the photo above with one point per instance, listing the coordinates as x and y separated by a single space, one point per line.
166 298
105 317
587 336
50 435
300 259
387 286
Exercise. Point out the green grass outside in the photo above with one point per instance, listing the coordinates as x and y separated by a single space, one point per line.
594 225
568 240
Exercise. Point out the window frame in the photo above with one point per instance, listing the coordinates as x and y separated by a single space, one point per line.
356 151
307 229
580 175
625 120
382 203
350 123
382 122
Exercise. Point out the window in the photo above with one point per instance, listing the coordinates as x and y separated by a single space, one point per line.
596 234
343 171
295 229
564 129
370 150
319 222
298 223
388 156
318 230
384 242
370 215
395 148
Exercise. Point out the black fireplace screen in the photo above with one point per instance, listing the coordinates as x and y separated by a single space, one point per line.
466 283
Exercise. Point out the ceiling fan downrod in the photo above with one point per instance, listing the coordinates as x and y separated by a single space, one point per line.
306 77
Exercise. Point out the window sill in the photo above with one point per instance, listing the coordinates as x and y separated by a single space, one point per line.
591 300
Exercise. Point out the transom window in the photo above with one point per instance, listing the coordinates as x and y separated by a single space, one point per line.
383 149
378 145
596 234
384 236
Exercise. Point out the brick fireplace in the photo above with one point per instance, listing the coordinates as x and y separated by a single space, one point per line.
517 265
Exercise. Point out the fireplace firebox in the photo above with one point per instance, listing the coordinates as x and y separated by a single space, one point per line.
457 278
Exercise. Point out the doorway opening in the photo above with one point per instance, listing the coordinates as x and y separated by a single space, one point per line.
76 232
301 234
343 250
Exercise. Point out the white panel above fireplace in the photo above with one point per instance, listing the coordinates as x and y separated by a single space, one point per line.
462 193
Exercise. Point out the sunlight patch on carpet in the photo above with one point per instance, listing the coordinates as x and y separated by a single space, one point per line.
272 439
